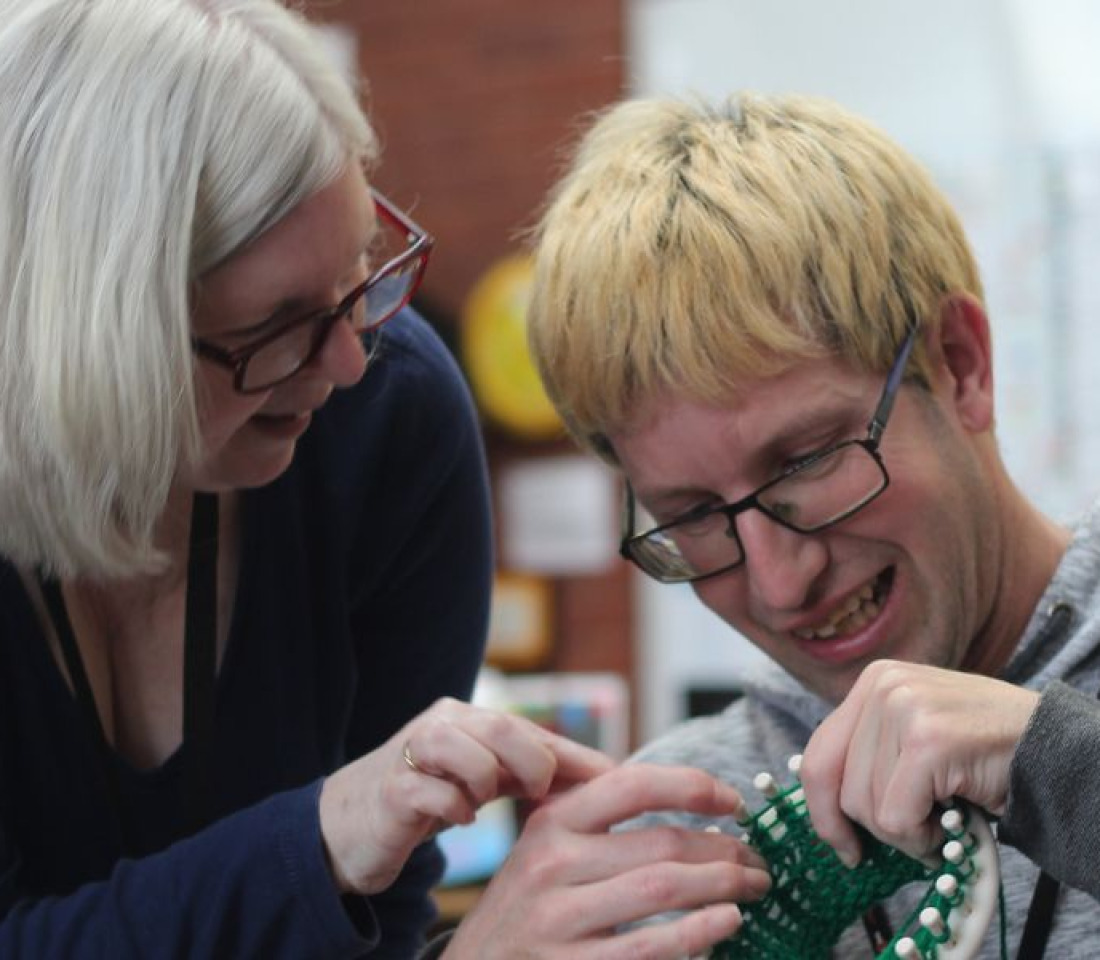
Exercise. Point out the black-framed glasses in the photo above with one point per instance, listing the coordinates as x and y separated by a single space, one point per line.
810 496
280 352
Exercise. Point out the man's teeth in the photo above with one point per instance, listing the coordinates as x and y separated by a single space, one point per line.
854 614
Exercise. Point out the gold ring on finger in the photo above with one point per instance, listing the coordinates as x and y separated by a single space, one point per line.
412 764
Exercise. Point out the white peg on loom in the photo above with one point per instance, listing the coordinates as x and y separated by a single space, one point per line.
932 921
766 784
906 949
952 821
794 765
947 886
954 852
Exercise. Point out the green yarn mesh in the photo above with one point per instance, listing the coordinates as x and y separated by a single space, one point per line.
814 898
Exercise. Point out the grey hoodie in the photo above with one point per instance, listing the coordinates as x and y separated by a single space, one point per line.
1053 813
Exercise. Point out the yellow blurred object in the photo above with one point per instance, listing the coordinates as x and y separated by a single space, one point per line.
495 353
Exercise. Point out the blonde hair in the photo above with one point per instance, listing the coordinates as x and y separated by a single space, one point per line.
142 143
698 246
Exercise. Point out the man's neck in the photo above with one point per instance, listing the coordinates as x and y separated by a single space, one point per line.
1032 546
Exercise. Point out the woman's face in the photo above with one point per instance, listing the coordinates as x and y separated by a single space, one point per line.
308 261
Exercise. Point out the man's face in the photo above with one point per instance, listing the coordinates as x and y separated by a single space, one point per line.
899 579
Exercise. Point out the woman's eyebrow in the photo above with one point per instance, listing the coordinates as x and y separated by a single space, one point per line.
284 310
295 305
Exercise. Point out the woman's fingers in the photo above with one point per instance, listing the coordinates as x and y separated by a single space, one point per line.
492 754
635 789
444 750
657 887
575 859
570 887
687 936
576 763
620 852
432 803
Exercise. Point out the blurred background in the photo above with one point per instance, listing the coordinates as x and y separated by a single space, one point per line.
477 102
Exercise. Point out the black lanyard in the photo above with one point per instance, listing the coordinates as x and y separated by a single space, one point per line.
1040 918
199 675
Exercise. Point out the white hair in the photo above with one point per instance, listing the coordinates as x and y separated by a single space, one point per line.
142 143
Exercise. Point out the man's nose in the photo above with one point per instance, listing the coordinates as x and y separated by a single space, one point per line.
781 565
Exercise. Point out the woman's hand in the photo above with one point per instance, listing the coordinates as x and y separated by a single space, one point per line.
569 883
906 739
435 772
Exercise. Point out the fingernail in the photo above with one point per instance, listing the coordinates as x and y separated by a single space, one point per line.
754 859
761 882
731 800
848 858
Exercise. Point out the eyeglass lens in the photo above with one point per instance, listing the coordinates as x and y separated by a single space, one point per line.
283 356
387 296
287 353
810 498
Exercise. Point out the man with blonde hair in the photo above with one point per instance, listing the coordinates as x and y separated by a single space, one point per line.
766 315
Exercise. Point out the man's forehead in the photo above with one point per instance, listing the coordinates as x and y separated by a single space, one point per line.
801 393
674 429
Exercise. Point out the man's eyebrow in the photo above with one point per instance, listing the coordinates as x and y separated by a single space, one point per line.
831 416
828 414
831 422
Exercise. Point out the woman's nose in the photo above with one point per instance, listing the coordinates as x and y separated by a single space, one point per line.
342 358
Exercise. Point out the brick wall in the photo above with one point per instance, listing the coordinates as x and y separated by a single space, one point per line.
475 102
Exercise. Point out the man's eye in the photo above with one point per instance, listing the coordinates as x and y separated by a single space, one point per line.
702 513
787 512
800 461
694 513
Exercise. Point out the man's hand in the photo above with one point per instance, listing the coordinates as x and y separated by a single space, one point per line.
907 739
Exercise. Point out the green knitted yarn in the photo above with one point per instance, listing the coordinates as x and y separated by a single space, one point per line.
814 898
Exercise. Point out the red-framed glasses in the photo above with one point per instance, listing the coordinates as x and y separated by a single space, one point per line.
281 351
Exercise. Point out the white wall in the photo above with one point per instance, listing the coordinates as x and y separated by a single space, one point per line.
1001 99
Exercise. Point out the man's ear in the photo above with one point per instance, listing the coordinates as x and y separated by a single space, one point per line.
962 362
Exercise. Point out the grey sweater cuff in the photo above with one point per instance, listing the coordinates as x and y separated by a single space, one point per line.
1053 805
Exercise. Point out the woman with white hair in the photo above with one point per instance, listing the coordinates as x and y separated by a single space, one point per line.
245 553
204 608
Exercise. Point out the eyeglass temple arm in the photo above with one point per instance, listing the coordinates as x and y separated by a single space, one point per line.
889 393
627 514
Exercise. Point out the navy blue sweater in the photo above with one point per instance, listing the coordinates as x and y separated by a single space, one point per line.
362 598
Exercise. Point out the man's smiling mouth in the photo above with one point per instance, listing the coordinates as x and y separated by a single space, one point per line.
854 613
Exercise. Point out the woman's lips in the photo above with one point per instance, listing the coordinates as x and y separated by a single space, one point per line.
283 426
